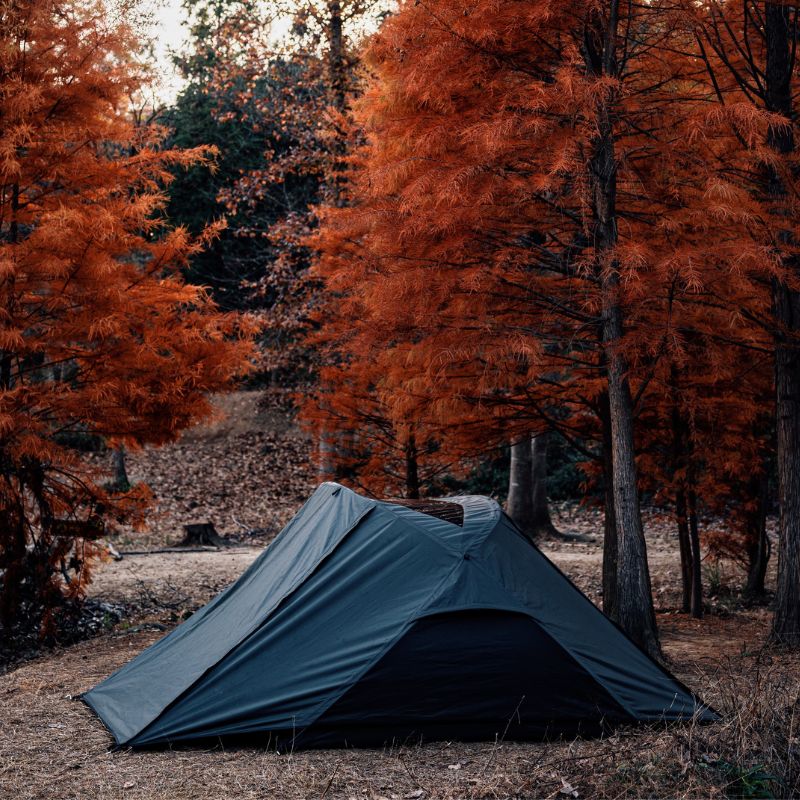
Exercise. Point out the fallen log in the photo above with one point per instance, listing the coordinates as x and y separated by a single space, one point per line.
201 549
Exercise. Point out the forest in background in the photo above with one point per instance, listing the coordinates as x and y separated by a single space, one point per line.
492 243
542 250
471 244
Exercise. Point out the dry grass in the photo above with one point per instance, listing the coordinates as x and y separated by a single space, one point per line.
53 747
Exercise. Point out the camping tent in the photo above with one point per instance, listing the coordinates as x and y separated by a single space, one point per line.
370 621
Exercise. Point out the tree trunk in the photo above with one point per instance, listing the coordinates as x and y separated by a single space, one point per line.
13 561
786 310
757 541
542 524
634 602
336 56
412 468
6 357
696 605
685 547
786 622
5 370
519 504
121 481
609 523
686 505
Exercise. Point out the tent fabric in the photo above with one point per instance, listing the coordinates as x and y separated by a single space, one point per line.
367 621
502 660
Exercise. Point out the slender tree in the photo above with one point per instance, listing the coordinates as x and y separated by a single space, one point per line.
749 50
527 487
519 503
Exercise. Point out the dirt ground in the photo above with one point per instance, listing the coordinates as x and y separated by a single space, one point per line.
248 474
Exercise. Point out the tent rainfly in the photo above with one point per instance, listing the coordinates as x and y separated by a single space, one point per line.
369 621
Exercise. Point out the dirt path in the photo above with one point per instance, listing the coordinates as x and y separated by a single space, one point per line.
169 577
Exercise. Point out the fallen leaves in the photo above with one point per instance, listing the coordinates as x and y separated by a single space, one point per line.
247 472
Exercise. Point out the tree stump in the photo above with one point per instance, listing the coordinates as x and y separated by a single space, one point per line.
202 534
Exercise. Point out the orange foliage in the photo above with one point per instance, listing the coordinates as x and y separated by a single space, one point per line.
466 279
99 333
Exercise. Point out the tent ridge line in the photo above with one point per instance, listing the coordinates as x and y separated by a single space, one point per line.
297 584
488 528
218 603
283 534
473 538
402 518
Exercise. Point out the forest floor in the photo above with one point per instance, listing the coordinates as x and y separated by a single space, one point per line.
248 474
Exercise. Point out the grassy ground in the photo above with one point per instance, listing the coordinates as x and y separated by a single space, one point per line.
52 747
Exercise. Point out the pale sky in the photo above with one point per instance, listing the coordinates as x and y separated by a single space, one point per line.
168 34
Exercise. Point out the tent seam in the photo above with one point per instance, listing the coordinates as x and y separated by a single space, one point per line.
475 539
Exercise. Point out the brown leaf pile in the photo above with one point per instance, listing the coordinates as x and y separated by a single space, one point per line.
246 471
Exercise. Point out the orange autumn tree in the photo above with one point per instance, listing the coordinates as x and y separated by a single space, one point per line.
366 439
99 333
749 51
703 431
530 197
362 442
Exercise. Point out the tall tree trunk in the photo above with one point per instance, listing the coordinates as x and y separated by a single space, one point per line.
412 468
527 487
7 357
786 621
519 504
786 310
634 602
757 542
121 481
337 64
610 522
337 92
686 505
696 605
5 369
14 556
685 547
542 524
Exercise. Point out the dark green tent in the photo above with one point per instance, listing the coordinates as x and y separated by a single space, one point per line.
368 621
